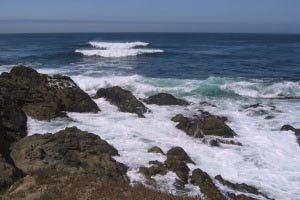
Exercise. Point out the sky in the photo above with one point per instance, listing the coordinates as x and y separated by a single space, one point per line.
275 16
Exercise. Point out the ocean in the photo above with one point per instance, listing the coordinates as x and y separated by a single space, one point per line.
231 71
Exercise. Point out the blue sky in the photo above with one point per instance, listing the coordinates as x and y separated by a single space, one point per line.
284 14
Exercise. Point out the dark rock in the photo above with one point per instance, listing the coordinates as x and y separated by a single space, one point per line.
206 124
291 128
123 99
8 173
287 127
253 106
232 142
241 187
165 99
13 127
204 103
269 117
156 149
179 184
179 167
178 153
232 196
206 185
45 97
156 168
70 150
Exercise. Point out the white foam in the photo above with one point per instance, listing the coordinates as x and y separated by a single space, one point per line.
116 50
268 159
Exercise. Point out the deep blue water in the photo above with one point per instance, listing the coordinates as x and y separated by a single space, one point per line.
192 56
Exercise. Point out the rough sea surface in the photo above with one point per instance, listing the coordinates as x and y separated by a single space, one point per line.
231 71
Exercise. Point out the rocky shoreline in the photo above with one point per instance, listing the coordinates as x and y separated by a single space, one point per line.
35 167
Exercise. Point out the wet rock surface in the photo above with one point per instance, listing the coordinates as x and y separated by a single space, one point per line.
70 150
241 187
123 99
288 127
206 185
165 99
156 149
42 96
206 124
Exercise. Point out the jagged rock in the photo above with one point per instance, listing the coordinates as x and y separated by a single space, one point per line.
206 124
156 149
13 126
156 168
70 150
232 196
217 142
179 167
8 173
206 185
123 99
42 96
165 99
178 153
241 187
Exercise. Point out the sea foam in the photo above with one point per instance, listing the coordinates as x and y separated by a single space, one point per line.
116 50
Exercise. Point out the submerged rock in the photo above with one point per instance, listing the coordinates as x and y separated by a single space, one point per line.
123 99
165 99
42 96
291 128
206 185
232 196
206 124
69 150
156 149
241 187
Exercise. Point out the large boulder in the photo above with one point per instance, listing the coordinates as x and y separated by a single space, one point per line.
69 150
206 185
165 99
42 96
123 99
13 127
206 124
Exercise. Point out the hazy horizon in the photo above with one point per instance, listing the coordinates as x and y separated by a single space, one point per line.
234 16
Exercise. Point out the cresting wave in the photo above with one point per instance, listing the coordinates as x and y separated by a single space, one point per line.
117 49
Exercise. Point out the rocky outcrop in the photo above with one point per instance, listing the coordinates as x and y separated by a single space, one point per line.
206 124
12 128
165 99
42 96
123 99
291 128
69 150
156 149
176 162
206 185
241 187
59 185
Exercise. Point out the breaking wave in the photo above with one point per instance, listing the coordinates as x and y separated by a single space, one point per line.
117 49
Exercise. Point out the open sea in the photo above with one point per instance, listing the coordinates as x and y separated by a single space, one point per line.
231 71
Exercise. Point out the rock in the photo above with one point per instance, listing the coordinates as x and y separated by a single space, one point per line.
13 127
269 117
232 196
291 128
165 99
206 124
59 185
253 106
45 97
156 149
179 167
205 103
178 153
8 173
123 99
206 185
69 150
217 142
241 187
